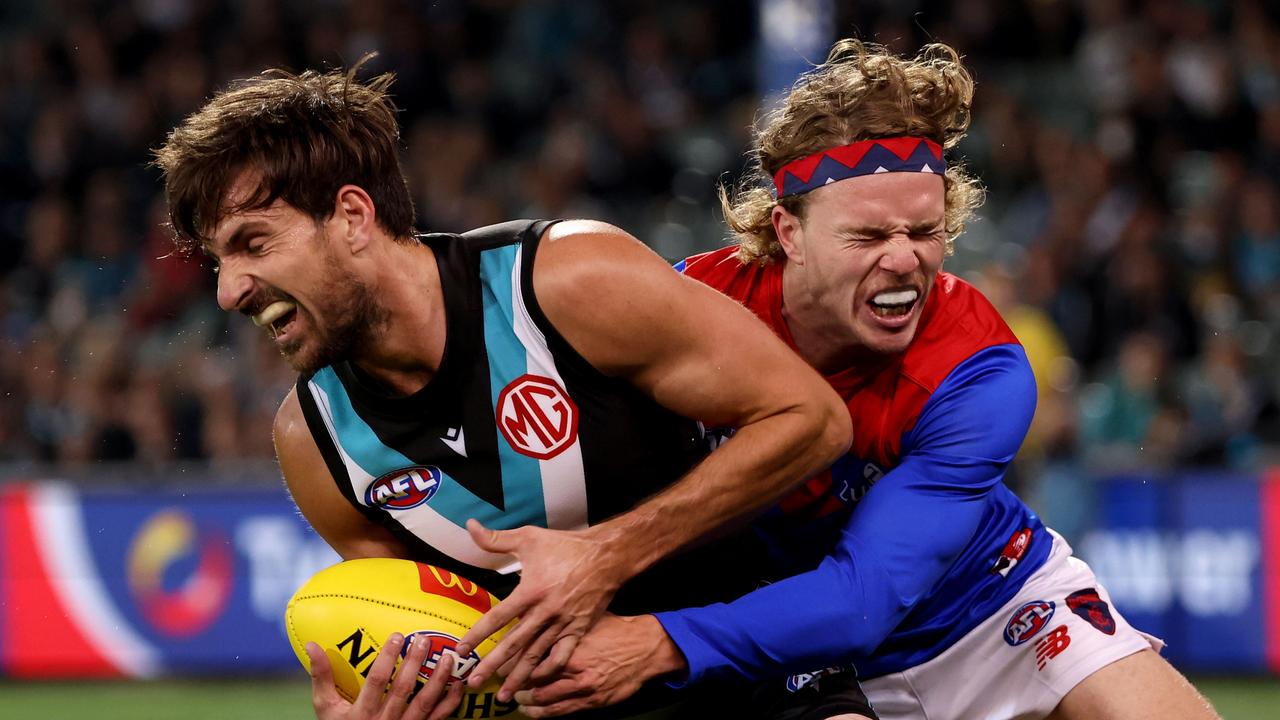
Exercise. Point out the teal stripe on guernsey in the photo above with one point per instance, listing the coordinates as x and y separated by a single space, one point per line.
362 445
521 474
357 439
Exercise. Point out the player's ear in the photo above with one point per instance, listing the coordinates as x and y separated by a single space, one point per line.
353 217
790 233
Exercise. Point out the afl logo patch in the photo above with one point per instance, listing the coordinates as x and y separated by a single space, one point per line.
438 645
404 488
537 417
1027 621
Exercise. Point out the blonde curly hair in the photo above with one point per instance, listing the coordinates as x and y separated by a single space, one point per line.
862 91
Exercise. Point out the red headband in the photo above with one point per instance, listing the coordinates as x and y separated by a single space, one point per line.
863 157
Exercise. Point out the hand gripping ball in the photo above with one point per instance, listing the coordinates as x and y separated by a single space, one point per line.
350 609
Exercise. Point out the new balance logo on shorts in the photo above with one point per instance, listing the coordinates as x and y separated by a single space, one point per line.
1051 646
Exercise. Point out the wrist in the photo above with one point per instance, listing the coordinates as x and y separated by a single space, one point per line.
627 544
665 656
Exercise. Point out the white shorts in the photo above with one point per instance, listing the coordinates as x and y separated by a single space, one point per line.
1021 661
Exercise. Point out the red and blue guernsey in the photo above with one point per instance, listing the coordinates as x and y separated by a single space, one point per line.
937 542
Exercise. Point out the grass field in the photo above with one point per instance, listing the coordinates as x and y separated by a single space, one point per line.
277 699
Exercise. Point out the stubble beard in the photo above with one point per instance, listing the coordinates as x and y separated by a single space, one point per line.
354 318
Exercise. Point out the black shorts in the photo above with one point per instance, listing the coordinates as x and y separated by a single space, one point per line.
818 695
809 696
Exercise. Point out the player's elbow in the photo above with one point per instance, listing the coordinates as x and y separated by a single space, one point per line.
832 429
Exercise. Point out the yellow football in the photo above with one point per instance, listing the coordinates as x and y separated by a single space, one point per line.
350 609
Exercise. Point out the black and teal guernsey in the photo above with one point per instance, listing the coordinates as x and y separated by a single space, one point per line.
516 428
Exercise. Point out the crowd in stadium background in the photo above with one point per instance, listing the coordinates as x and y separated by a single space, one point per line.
1131 234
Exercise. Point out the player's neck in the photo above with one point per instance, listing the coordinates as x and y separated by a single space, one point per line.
817 337
406 355
819 348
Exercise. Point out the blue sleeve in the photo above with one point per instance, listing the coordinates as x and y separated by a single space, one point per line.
898 543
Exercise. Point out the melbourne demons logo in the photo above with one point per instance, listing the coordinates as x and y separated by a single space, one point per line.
537 417
440 644
1090 606
404 488
1027 621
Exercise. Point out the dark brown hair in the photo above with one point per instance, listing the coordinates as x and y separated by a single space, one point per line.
862 91
304 135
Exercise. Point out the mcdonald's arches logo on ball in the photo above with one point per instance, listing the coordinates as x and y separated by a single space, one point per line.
536 417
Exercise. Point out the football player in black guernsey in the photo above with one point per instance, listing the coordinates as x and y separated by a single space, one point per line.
522 402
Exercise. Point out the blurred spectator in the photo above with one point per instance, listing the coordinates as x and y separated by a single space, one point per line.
1132 418
1131 234
1045 472
1051 363
1225 401
1255 249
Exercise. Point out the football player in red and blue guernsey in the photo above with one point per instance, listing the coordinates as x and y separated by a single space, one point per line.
917 564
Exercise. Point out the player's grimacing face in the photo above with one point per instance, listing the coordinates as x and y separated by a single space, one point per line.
277 266
870 248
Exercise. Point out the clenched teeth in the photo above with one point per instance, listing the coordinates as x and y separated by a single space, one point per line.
898 297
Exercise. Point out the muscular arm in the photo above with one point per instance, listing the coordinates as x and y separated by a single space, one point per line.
898 543
702 356
697 353
317 495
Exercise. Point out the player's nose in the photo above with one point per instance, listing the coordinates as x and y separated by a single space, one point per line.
234 288
899 256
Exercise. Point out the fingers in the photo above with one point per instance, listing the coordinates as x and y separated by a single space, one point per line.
428 698
561 708
528 660
447 706
370 697
407 676
511 645
560 697
505 668
323 692
569 688
491 622
555 663
494 541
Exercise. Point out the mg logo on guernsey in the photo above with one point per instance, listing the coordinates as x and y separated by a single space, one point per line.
537 417
404 488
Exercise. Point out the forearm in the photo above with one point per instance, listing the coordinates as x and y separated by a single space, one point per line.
904 536
755 467
848 610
